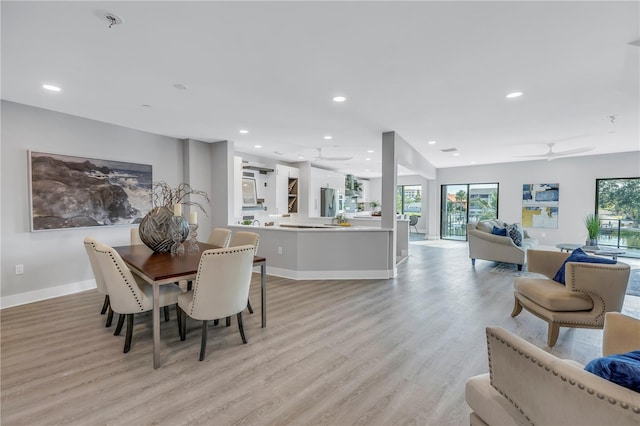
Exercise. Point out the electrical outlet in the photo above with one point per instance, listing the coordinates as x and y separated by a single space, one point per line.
279 250
19 269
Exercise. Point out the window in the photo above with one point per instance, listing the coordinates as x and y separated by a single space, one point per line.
618 207
409 200
462 203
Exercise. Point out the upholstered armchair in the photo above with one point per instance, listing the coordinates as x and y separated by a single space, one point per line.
529 386
591 290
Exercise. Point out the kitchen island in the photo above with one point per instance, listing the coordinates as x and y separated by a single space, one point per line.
309 251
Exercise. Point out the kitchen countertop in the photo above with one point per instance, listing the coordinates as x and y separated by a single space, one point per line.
312 227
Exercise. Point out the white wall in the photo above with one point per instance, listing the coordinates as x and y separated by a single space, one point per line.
576 176
54 259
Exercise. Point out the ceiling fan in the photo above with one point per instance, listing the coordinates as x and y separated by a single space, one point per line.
320 157
552 155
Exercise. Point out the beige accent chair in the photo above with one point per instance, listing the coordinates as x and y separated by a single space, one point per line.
135 237
241 238
129 294
591 290
529 386
221 289
484 245
90 245
220 237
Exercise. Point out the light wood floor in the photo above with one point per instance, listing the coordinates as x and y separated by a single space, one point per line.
372 352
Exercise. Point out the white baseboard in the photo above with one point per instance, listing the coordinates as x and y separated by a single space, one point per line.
46 293
77 287
329 275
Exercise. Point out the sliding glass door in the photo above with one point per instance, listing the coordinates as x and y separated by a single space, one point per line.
453 212
618 207
463 202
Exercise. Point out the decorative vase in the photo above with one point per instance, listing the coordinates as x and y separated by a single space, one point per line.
156 229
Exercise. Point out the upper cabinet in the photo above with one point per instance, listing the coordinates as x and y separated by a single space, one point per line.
287 189
292 188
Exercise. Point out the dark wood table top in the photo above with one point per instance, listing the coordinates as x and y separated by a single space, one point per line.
162 266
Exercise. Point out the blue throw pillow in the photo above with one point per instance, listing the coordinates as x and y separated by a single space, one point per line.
580 256
621 369
499 231
515 234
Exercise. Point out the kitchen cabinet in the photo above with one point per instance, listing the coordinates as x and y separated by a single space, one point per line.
287 189
292 189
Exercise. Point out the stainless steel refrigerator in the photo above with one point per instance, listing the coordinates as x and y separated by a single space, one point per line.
328 202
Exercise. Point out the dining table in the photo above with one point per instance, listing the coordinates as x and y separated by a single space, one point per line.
165 268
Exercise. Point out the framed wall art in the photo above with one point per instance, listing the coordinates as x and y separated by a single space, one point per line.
76 192
540 205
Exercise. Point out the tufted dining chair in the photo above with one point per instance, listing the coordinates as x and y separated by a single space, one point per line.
220 290
220 237
135 237
129 294
241 238
89 245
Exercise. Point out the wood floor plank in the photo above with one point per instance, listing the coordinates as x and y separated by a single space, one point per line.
335 352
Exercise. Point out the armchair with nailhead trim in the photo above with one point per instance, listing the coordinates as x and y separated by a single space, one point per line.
591 290
528 386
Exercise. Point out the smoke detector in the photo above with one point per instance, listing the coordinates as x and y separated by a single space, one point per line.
113 19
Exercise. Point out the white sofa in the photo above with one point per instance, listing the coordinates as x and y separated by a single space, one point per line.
528 386
484 245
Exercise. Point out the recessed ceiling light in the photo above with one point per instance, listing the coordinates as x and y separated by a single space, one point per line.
339 99
473 162
367 159
328 137
51 87
257 146
146 106
432 142
300 157
456 154
244 132
370 151
514 95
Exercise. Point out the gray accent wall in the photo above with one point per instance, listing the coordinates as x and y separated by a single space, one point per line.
57 258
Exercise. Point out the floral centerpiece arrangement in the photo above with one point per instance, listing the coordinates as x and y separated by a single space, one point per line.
158 227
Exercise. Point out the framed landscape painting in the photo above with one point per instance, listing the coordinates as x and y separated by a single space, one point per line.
76 192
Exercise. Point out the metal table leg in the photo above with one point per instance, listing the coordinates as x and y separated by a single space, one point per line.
156 326
263 292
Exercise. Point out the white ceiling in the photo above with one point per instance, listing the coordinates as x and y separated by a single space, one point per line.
427 70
